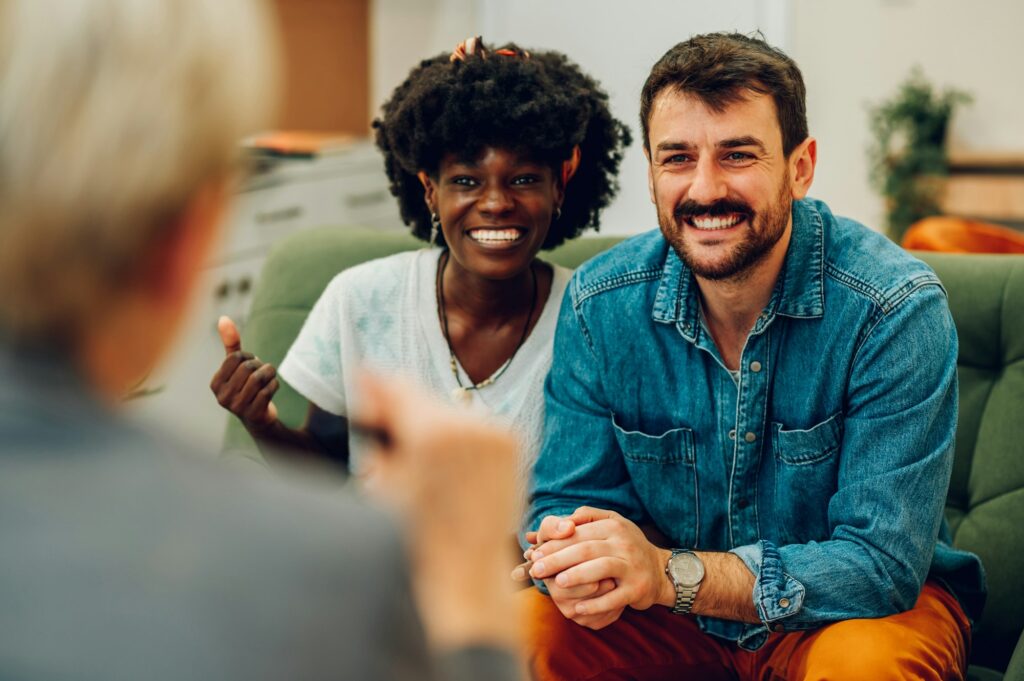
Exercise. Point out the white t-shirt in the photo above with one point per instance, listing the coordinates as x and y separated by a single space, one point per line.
382 315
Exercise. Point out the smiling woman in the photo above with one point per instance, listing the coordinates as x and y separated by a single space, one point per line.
493 156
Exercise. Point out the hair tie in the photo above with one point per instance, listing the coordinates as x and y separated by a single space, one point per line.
570 165
475 46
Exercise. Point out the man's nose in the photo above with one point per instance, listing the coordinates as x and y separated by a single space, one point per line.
708 183
496 199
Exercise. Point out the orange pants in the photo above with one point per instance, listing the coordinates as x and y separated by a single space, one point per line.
927 642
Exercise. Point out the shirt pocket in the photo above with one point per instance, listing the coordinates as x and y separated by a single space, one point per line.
664 476
806 470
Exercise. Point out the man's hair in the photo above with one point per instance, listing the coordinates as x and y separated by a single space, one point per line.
540 106
113 115
719 69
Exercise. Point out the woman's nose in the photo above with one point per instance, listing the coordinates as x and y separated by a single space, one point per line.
496 199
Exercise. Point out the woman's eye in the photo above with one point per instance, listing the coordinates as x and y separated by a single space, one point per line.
526 179
464 180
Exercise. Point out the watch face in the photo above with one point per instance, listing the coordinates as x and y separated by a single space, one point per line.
686 569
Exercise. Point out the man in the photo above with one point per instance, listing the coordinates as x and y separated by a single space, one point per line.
121 559
750 418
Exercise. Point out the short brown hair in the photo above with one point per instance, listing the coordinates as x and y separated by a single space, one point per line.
720 68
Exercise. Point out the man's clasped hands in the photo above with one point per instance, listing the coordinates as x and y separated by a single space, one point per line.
595 563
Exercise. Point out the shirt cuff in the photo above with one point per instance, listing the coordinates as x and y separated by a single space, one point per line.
776 595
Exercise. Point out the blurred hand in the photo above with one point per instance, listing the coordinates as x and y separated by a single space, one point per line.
451 477
243 384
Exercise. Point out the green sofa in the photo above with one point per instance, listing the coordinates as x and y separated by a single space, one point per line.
985 505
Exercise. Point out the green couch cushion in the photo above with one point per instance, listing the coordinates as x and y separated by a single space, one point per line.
986 495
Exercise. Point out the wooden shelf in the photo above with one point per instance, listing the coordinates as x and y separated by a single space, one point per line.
986 186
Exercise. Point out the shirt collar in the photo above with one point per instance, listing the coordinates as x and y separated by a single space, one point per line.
799 292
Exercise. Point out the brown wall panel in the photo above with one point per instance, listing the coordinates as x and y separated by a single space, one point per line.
326 73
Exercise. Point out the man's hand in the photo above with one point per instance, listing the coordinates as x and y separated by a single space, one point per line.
243 384
554 527
450 476
603 546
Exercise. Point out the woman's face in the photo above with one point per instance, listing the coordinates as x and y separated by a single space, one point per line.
495 210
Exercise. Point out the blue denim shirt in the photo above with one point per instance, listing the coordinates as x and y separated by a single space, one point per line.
824 466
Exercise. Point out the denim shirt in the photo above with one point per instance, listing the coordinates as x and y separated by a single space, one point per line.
824 466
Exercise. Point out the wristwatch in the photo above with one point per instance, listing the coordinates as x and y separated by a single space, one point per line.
686 570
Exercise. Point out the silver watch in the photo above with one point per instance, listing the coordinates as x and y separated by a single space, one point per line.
686 570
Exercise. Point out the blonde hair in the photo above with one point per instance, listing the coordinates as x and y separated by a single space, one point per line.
113 114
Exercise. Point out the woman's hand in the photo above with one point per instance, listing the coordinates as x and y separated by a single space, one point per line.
244 385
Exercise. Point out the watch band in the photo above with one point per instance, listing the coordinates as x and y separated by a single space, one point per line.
685 595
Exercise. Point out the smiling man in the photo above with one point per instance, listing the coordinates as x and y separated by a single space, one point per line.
750 418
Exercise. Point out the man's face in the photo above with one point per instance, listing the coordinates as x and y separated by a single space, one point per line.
720 182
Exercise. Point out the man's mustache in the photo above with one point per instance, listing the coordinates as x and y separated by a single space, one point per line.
689 208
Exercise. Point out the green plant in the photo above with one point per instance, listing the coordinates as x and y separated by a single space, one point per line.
908 153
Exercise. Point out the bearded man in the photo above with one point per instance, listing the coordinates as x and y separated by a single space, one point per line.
750 418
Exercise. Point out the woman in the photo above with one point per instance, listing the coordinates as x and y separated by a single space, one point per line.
493 156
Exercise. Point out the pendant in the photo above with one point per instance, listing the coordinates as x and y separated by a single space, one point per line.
461 396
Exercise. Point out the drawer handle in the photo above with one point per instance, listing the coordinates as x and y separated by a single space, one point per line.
280 215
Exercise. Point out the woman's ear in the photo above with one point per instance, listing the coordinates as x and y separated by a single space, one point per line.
429 190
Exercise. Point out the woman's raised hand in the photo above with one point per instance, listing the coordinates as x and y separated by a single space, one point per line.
243 384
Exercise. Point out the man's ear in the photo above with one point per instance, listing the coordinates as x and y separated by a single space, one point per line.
429 190
802 161
650 176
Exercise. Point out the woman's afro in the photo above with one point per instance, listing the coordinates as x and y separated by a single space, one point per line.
541 106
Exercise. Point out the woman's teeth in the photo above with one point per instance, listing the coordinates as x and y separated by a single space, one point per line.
494 235
710 223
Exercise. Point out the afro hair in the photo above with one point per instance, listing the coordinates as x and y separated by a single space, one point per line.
536 103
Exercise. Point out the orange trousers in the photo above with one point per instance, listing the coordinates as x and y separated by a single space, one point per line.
930 641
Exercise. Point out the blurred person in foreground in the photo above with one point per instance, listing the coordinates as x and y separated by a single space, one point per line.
123 559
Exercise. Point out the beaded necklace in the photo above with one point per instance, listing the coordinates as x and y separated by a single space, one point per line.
461 394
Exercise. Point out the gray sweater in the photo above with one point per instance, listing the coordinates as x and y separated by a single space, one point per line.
124 558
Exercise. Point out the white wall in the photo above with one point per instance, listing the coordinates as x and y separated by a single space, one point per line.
402 32
616 42
856 53
852 53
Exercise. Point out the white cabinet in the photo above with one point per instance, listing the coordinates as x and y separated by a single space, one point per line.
347 188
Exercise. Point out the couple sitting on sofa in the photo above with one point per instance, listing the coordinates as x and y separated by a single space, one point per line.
747 416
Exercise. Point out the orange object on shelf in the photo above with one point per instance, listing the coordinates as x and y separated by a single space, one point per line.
299 143
959 235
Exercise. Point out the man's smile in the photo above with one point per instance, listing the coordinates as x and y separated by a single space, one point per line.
715 222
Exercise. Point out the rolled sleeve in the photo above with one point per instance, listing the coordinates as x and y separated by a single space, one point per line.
776 595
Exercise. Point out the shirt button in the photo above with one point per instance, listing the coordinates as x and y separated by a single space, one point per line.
776 627
783 602
742 504
732 434
749 437
755 366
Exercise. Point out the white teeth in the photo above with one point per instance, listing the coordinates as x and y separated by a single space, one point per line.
494 235
716 223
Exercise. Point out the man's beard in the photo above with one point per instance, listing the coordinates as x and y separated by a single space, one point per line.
763 231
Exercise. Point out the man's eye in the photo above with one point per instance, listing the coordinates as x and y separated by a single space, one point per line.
676 159
738 157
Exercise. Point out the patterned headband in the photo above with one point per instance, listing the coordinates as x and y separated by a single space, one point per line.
475 46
